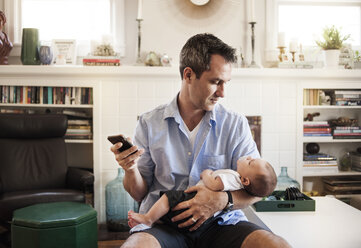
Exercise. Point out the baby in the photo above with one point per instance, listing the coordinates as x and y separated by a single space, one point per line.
256 176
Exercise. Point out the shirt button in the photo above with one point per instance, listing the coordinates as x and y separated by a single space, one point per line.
189 153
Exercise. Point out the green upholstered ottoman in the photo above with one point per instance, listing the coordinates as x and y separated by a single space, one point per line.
58 224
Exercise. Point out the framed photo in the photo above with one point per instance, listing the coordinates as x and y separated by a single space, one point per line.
255 126
65 49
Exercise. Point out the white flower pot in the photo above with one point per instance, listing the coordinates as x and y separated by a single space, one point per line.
332 58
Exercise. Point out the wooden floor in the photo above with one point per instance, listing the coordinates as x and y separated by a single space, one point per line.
110 243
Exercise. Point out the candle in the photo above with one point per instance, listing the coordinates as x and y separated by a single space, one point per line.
293 46
252 11
140 3
281 39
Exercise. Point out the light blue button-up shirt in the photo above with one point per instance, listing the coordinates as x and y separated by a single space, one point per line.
170 163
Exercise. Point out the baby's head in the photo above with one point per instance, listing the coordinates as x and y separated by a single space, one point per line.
257 176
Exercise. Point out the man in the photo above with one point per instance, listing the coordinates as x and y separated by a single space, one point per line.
178 141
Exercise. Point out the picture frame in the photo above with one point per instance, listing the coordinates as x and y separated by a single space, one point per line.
65 47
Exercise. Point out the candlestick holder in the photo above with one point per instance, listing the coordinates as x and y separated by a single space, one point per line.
139 60
282 51
293 55
253 63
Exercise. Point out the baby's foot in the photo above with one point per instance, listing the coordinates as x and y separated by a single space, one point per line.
135 219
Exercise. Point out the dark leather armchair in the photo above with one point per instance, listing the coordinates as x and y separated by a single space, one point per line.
33 163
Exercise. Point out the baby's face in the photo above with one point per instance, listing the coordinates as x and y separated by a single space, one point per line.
248 166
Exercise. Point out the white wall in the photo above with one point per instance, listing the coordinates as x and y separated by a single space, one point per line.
169 23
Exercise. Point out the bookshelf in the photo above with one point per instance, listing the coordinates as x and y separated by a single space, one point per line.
74 101
327 139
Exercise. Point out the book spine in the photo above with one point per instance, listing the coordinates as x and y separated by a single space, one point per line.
50 95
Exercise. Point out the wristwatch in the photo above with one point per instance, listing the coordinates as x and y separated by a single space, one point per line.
229 205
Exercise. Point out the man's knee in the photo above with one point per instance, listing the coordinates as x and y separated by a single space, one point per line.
140 240
263 238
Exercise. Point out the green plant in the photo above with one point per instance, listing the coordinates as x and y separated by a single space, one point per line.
332 38
357 56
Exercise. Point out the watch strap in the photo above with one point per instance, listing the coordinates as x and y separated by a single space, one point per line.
229 205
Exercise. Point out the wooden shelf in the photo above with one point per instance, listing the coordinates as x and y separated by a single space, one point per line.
328 140
80 141
340 173
330 107
38 105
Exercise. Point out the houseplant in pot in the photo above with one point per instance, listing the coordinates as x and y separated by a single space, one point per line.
331 44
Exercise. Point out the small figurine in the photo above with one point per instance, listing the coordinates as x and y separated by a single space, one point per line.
5 43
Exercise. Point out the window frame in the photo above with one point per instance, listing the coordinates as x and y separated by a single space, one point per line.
13 25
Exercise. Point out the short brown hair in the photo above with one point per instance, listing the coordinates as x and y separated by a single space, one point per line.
263 185
198 50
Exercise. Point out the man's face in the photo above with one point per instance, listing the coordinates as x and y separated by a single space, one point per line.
206 91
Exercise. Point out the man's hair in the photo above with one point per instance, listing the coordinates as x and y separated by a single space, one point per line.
263 185
198 50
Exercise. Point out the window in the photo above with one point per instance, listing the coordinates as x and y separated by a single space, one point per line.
305 21
67 19
82 20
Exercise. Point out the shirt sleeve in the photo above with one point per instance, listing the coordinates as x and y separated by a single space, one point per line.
145 162
230 179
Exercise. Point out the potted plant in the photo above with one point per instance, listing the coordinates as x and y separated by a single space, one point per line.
357 60
331 44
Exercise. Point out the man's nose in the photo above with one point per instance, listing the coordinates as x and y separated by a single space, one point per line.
220 90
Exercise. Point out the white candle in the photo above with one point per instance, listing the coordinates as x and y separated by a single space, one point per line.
293 46
140 3
252 11
281 39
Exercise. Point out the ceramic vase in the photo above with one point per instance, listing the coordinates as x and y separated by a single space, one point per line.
284 181
30 47
332 58
118 203
46 55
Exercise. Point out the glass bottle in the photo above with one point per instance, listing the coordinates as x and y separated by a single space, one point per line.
118 203
345 162
284 181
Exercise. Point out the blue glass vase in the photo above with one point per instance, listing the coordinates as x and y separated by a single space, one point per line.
118 203
284 181
46 55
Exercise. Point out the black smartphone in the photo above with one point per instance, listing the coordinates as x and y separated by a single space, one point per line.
120 138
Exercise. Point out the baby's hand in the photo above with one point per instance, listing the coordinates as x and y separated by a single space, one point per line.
206 172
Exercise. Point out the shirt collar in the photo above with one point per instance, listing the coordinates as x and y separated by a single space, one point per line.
172 111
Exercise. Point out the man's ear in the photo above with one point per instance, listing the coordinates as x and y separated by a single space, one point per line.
245 181
187 74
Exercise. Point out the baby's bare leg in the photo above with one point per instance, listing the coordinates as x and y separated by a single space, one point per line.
160 208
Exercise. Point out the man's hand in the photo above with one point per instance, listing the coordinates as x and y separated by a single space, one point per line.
201 207
124 160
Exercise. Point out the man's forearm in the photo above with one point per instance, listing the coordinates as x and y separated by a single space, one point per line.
241 199
135 184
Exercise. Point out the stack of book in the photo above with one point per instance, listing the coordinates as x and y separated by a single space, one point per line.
320 162
79 129
317 128
355 161
101 61
347 132
79 125
342 185
348 97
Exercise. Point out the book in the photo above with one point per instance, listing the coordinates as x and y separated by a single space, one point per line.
316 123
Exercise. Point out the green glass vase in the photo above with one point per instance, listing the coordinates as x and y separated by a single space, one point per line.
30 47
118 203
284 181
